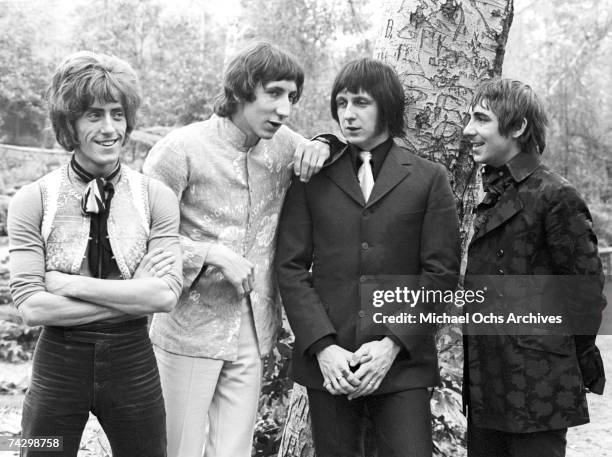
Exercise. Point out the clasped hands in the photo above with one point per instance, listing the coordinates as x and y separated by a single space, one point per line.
372 360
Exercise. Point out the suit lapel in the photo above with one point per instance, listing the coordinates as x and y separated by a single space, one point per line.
342 173
508 205
393 171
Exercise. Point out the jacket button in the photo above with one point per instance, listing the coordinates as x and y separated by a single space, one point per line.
362 279
500 253
365 245
500 271
361 314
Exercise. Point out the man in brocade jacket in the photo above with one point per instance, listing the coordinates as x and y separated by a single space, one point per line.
524 391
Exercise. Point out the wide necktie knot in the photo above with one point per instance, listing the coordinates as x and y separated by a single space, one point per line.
364 174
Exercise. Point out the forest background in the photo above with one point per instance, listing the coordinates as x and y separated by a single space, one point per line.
179 48
561 47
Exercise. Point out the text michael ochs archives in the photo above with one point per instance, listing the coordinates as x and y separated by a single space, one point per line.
487 305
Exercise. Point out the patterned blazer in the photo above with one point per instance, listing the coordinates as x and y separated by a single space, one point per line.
539 225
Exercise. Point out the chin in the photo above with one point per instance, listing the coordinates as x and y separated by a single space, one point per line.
478 159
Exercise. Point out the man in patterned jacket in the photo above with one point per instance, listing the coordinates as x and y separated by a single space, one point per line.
524 391
231 173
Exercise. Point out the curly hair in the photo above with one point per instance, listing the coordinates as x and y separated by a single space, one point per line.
84 78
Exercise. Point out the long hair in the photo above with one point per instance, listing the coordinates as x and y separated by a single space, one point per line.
381 82
259 63
84 78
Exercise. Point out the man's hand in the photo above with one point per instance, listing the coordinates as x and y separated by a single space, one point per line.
337 376
236 269
308 159
372 372
154 264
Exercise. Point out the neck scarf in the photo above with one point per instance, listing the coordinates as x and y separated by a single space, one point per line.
95 202
495 181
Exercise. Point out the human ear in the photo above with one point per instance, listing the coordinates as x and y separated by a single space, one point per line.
520 130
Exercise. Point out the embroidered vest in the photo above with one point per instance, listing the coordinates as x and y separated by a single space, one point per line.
65 229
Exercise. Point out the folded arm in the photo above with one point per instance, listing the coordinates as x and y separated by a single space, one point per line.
27 266
156 284
61 299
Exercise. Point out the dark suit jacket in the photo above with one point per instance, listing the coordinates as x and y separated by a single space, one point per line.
539 226
408 227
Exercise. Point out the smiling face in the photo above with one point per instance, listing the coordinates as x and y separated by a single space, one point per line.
489 146
100 132
358 118
270 109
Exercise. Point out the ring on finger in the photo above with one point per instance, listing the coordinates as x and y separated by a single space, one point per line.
339 378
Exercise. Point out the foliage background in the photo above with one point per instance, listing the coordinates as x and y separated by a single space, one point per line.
561 47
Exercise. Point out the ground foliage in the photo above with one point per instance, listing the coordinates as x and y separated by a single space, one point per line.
17 342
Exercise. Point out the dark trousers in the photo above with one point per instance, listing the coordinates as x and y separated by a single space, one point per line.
401 421
483 442
108 370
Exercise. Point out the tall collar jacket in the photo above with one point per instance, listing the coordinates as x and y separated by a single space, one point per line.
230 195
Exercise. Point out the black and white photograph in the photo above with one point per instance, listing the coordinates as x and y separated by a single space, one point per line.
305 228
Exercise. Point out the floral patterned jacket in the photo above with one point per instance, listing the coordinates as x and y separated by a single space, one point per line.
534 222
229 195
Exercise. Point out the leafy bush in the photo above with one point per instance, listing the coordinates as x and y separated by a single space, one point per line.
18 341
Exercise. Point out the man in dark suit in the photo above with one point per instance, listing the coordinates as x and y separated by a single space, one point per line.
377 210
523 391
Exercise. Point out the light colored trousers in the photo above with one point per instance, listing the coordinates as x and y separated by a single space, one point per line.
226 393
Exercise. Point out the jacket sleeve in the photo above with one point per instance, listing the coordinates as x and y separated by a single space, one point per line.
168 163
573 247
307 316
440 240
439 258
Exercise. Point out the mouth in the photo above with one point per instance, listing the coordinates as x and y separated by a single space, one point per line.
275 124
107 143
476 144
351 129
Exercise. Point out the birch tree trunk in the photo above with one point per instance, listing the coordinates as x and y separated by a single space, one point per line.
441 50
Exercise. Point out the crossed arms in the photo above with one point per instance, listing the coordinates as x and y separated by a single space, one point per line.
55 298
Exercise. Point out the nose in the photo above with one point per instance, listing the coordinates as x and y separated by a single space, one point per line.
468 130
284 107
107 124
348 112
